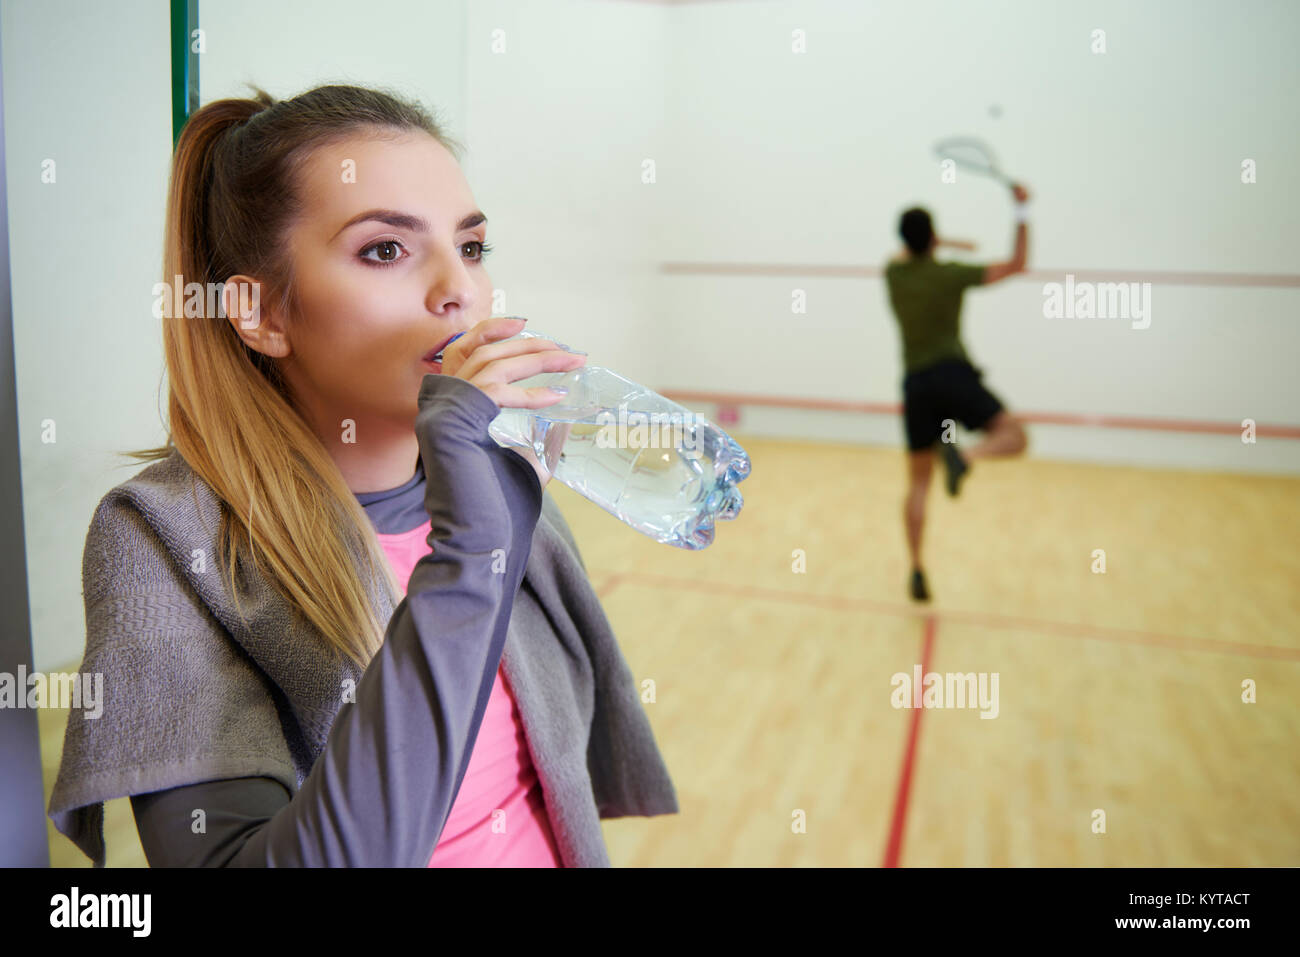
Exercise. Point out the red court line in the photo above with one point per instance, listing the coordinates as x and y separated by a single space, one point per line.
1033 418
1191 277
894 846
608 585
984 619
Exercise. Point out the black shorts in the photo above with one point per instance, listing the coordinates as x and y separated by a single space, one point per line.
947 390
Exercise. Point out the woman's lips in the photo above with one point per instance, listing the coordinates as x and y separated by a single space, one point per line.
435 366
432 353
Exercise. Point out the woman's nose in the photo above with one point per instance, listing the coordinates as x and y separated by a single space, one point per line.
451 281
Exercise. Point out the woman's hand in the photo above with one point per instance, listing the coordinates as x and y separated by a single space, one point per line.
482 359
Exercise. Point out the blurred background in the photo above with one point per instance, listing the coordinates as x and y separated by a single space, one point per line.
702 195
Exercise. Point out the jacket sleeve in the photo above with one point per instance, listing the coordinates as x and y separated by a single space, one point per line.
234 809
380 793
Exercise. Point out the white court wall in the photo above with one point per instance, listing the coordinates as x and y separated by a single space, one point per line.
1133 157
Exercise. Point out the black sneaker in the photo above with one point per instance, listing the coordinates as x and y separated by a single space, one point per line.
919 591
954 465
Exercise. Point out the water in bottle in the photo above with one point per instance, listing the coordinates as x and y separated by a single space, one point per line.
664 470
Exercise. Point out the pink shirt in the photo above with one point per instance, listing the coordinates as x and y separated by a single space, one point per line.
498 818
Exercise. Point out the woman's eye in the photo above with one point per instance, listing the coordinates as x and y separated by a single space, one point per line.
380 245
483 249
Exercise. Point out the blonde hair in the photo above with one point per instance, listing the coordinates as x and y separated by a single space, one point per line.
233 193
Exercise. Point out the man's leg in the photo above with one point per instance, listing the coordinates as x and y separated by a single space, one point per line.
978 408
920 465
1003 436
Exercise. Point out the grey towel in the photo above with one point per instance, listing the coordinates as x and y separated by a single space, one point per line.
193 694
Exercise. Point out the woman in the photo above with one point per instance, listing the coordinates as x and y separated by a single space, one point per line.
269 701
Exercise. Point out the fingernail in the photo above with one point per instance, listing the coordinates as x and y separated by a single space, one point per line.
558 389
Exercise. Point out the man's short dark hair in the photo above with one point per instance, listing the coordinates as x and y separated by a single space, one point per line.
917 230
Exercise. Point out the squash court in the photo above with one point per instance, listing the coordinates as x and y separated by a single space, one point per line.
1112 625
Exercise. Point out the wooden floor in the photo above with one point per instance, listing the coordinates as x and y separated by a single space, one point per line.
1118 693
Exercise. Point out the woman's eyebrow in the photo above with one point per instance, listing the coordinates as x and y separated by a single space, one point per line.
400 220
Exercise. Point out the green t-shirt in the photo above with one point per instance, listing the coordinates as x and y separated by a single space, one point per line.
926 296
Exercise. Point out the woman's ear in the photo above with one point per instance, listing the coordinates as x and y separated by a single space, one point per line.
260 328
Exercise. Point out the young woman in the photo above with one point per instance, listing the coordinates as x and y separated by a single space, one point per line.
269 699
940 383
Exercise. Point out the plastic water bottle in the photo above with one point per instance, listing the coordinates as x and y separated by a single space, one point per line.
664 470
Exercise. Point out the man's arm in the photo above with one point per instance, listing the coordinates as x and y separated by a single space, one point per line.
998 271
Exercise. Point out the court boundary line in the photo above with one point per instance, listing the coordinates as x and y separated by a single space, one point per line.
1173 277
898 820
1082 419
1047 626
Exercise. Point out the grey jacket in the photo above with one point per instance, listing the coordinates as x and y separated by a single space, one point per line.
192 693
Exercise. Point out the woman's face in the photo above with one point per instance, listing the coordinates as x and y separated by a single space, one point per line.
388 265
